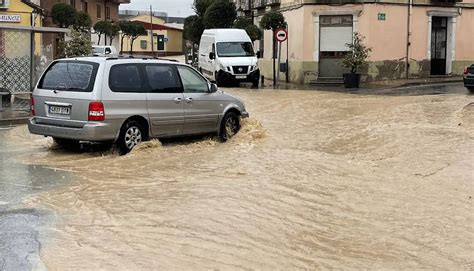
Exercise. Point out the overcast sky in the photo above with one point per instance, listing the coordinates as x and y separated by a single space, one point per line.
174 8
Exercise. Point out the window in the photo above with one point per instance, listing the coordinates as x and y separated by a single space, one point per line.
337 20
2 3
192 81
72 3
99 12
70 76
234 49
107 12
84 7
163 79
143 44
125 78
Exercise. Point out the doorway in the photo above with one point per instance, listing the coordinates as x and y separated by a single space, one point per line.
161 42
439 37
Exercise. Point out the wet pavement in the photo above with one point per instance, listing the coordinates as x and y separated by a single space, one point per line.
314 180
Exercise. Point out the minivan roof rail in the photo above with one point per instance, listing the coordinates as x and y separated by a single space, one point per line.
144 57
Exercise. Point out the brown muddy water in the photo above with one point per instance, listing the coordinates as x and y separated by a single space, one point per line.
314 180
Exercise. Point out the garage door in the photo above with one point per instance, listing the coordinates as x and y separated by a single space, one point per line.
335 33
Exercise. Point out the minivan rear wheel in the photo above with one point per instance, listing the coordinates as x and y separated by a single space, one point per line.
230 125
131 135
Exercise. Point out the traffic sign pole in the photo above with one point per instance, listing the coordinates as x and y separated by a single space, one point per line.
280 35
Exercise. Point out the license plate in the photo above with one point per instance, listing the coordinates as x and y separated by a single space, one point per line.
240 77
59 110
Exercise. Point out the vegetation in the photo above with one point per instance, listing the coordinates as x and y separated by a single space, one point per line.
78 44
220 14
273 20
357 55
132 30
112 32
252 30
63 15
193 28
82 21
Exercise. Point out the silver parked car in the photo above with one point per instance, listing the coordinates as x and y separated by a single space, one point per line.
126 101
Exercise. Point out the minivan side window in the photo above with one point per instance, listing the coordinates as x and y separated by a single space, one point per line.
125 78
163 79
192 81
70 76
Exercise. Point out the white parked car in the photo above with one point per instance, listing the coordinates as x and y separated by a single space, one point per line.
104 50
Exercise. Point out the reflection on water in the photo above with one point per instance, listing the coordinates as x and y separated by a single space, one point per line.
314 180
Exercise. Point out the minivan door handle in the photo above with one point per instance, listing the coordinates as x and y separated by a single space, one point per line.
189 100
178 100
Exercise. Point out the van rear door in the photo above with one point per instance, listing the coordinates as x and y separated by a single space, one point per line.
64 92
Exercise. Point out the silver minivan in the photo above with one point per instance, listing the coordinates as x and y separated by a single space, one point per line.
129 100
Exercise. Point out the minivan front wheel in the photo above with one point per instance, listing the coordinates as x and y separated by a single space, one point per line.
131 135
230 125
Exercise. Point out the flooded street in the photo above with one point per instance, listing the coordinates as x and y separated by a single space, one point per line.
314 180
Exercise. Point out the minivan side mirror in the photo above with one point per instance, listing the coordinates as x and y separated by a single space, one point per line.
213 88
212 55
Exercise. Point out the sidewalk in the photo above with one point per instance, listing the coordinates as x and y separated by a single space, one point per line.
16 112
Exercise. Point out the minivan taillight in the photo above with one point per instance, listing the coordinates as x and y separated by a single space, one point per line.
96 111
32 105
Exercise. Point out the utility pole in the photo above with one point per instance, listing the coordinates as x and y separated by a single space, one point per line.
151 32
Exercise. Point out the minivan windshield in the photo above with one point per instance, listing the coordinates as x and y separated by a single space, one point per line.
70 76
234 49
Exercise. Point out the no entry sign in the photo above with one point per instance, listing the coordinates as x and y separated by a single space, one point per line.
281 35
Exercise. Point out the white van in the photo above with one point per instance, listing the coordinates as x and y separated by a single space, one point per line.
227 56
104 50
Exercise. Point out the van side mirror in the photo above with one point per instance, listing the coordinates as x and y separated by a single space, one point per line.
258 55
213 88
108 51
212 55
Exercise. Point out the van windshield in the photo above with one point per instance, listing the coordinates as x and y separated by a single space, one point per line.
234 49
70 76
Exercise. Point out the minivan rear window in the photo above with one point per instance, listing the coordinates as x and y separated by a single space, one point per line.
70 76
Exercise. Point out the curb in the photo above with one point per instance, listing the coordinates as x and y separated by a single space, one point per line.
13 121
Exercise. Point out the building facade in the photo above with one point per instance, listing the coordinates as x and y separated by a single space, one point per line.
166 40
409 38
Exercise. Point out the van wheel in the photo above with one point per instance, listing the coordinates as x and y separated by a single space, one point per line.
219 80
255 83
131 135
230 125
66 143
471 90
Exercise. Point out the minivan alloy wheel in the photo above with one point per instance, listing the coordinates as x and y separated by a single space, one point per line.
231 127
133 137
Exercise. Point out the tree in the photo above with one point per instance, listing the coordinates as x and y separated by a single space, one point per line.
273 20
101 28
124 27
63 15
193 29
133 31
254 32
78 45
220 14
241 22
82 22
112 32
200 7
357 55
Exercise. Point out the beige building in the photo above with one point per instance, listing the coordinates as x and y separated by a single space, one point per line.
436 37
166 40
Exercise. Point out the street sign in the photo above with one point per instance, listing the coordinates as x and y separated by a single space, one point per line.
281 35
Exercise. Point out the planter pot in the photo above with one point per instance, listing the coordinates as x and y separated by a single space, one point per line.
351 80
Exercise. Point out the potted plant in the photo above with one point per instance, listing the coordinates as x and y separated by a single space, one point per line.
355 58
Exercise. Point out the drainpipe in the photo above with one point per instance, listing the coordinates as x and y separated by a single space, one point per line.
407 60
